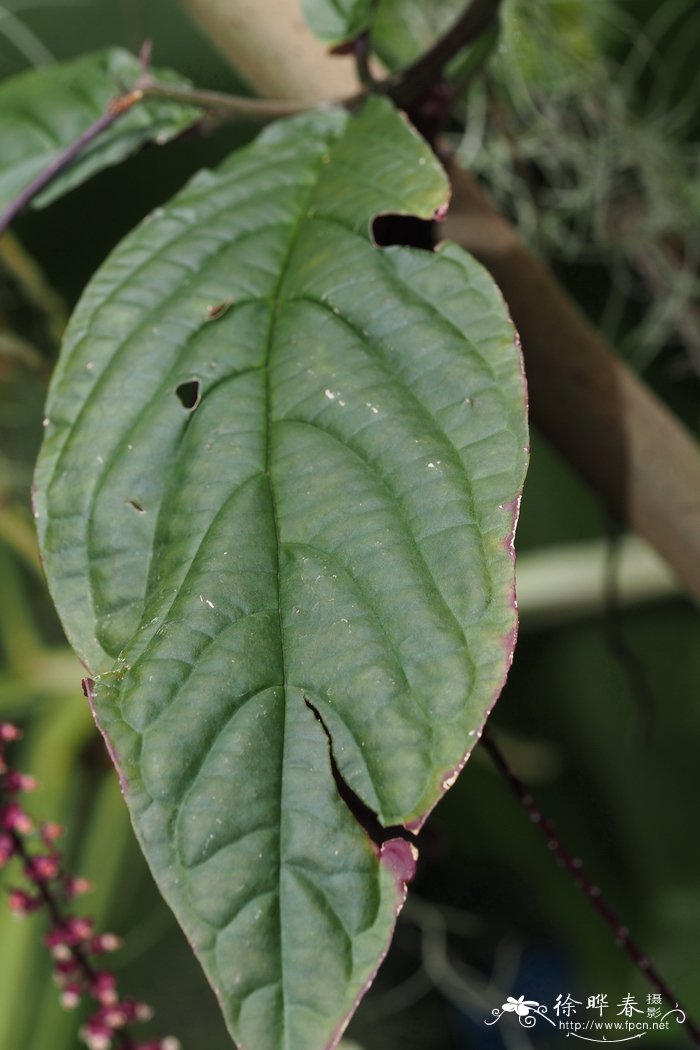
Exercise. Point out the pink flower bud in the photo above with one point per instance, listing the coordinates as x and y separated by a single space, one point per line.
43 868
104 942
78 929
76 886
23 903
97 1027
96 1040
9 732
51 832
61 952
13 818
54 936
116 1017
16 781
70 996
57 941
66 967
103 988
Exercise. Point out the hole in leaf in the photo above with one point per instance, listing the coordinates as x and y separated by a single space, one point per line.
405 230
364 816
136 505
189 394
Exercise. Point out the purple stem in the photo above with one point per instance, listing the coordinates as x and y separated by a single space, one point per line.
592 892
66 157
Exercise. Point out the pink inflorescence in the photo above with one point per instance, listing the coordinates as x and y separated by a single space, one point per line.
72 940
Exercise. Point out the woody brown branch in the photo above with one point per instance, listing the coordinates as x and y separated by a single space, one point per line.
592 407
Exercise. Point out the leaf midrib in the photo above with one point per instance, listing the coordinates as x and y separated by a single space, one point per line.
269 344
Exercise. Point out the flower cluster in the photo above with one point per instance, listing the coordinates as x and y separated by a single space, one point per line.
72 940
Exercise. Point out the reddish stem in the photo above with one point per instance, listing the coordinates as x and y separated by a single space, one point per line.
573 865
118 107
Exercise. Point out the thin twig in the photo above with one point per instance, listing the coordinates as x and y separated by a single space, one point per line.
258 109
592 892
362 53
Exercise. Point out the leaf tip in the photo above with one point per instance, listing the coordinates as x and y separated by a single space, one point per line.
401 857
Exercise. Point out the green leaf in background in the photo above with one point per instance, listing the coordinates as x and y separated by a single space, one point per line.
337 20
45 110
400 30
276 501
403 29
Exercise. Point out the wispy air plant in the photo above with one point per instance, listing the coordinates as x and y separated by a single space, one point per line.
77 949
592 169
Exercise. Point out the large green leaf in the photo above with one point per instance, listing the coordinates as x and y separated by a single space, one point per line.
401 29
276 502
45 110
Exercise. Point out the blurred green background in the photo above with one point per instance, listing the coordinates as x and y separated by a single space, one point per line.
600 713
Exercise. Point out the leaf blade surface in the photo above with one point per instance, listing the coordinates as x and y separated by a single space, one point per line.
322 534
